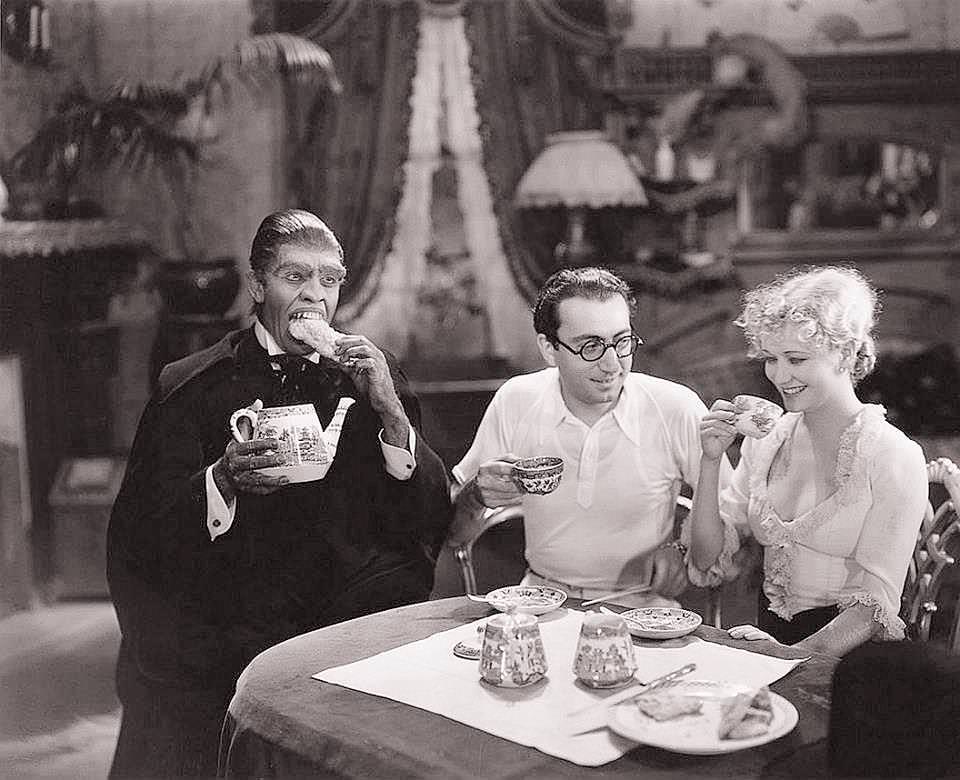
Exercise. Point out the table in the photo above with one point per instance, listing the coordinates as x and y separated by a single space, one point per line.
283 723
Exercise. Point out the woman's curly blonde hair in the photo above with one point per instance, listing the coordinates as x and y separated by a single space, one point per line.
833 308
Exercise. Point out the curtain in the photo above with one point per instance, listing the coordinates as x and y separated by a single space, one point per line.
535 66
349 162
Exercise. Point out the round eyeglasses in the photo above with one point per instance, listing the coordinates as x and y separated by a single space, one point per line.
594 349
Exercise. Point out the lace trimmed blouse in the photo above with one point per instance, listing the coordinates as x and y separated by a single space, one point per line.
853 547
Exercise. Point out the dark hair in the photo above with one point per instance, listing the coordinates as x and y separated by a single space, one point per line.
588 282
289 227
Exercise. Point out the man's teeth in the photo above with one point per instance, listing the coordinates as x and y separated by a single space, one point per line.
306 315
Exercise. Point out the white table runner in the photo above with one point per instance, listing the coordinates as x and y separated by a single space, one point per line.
427 675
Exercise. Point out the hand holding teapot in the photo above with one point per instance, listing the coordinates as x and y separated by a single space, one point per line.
238 469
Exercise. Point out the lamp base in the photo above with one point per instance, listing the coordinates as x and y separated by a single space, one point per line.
576 250
574 254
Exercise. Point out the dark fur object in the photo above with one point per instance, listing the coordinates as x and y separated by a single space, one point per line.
895 712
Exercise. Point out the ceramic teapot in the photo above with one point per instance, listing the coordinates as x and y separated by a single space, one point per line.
307 449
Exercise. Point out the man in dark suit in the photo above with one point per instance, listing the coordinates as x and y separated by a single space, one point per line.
209 560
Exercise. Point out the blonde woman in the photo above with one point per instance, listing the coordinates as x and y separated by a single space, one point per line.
834 493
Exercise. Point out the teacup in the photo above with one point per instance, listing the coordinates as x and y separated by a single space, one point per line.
305 448
604 657
512 653
539 475
755 416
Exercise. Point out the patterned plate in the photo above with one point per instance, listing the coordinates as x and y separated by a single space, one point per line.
526 599
661 622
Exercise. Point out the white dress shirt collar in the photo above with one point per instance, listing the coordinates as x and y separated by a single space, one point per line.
625 412
269 343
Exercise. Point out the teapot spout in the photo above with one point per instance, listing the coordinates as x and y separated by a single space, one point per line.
331 434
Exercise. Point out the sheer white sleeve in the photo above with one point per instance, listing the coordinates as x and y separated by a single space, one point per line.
899 489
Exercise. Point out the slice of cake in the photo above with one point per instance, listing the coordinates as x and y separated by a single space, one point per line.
667 706
747 715
317 333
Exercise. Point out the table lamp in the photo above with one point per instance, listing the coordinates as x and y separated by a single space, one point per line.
579 170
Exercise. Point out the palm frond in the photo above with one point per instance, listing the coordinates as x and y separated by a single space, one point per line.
95 134
286 55
149 96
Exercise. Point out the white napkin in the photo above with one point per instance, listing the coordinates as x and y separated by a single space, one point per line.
427 675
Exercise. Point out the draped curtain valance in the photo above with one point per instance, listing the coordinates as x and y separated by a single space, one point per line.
535 67
348 165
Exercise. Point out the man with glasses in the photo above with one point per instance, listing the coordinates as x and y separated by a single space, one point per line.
628 441
209 560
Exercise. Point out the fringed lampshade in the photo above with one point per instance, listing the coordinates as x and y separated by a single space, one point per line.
579 170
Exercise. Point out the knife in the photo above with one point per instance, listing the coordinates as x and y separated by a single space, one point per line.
634 690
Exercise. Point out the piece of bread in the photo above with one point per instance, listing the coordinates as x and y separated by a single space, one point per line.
667 706
746 715
317 333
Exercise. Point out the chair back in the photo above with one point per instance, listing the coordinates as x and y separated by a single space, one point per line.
491 558
930 605
494 557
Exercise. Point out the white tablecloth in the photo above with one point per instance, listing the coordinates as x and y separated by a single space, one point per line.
427 675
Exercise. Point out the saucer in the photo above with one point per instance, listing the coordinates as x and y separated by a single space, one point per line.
526 599
660 622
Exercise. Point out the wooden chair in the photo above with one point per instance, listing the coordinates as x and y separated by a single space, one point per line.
513 516
932 587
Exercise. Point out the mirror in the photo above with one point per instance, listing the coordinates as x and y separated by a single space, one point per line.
848 183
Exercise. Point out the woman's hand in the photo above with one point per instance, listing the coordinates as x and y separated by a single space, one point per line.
749 632
717 431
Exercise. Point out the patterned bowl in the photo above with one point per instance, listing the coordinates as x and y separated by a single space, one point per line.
539 475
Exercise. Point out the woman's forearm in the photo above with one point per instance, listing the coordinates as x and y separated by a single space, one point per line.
852 627
706 527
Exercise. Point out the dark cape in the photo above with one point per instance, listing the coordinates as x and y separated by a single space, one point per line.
193 612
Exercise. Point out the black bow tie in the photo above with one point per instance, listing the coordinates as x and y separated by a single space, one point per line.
298 378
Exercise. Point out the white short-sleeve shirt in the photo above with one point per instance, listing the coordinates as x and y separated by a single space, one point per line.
616 499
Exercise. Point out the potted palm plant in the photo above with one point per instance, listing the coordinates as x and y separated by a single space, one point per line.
136 127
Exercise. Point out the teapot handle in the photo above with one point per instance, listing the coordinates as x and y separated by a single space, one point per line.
243 414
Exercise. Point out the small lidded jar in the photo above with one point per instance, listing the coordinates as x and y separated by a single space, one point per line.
512 653
604 657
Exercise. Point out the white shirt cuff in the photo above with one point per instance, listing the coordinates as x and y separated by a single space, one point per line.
219 514
400 462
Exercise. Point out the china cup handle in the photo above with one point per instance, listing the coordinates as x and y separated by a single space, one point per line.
243 414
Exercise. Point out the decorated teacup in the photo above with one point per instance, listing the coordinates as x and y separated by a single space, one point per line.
538 475
755 416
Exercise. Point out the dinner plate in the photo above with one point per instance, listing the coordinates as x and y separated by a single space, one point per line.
697 734
660 622
526 599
